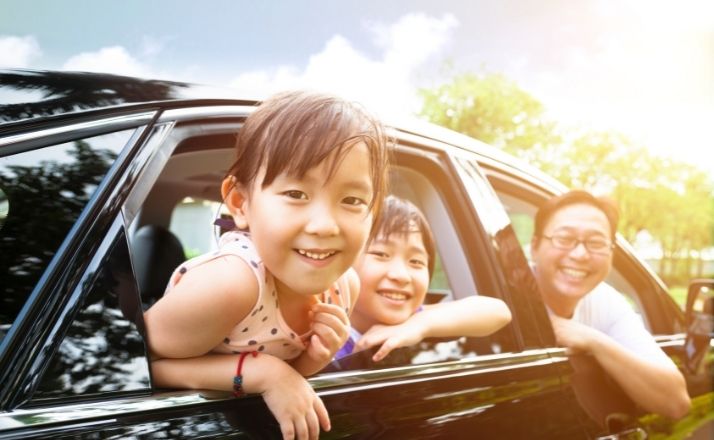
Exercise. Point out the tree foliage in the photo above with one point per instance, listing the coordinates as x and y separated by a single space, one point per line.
672 201
490 108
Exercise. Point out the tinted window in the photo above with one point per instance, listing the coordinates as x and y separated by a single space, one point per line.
102 350
42 193
3 207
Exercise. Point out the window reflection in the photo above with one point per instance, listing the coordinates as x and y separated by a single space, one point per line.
103 350
43 193
4 207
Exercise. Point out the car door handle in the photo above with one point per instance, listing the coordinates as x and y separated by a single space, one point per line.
627 434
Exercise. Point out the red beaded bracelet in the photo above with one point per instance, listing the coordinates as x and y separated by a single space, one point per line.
238 379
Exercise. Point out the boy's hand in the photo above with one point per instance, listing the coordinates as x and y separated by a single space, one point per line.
330 326
391 337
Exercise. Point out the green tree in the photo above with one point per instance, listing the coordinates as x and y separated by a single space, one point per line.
490 108
673 201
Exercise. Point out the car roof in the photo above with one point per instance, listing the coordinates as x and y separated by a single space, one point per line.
35 95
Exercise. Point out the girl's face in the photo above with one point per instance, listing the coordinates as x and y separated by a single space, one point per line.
394 277
309 231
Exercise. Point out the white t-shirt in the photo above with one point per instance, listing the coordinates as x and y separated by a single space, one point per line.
606 310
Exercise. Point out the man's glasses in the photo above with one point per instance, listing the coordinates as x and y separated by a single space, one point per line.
593 245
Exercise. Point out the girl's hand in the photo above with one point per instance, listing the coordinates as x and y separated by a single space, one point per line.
330 326
295 405
391 337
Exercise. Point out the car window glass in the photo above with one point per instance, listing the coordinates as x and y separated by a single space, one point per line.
43 193
4 207
103 350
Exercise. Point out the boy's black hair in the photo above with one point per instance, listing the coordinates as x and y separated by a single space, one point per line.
399 216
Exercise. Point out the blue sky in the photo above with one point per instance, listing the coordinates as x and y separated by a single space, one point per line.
642 67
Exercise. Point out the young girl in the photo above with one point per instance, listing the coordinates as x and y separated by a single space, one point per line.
394 272
272 304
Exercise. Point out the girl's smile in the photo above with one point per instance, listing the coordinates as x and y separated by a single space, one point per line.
317 258
309 230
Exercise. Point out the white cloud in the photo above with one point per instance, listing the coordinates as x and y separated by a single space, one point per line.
385 85
18 52
114 59
414 38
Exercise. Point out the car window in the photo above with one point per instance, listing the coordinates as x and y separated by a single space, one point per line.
184 200
4 206
522 214
42 193
186 217
453 278
103 350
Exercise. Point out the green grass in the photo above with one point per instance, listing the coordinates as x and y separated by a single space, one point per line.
191 252
679 294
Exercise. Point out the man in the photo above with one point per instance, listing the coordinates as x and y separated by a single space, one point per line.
572 252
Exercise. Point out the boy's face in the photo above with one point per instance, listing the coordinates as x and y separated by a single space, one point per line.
394 277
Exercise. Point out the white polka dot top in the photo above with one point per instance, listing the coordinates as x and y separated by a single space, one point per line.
264 329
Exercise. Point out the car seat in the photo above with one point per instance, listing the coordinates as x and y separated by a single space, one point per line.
157 252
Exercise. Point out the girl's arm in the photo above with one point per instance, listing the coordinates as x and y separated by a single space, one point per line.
202 309
295 405
472 316
331 326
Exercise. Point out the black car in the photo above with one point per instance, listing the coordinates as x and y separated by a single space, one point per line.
107 183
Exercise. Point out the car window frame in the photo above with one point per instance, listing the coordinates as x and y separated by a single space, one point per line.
410 149
661 315
19 364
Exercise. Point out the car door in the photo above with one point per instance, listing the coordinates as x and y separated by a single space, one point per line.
600 403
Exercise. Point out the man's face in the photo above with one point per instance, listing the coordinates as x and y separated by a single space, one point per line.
565 276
